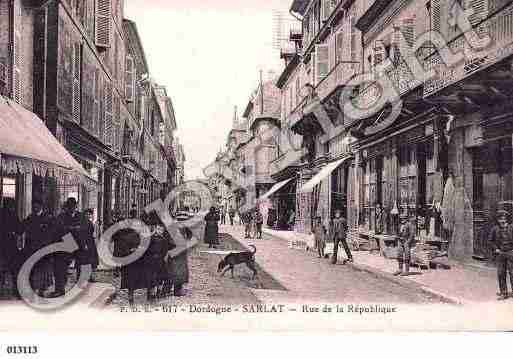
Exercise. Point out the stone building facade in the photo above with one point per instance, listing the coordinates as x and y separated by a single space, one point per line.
80 66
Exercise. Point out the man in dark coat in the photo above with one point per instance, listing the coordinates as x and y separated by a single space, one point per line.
231 213
68 222
212 228
37 232
501 239
338 230
406 240
88 252
10 257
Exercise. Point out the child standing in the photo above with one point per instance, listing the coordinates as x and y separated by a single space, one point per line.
319 233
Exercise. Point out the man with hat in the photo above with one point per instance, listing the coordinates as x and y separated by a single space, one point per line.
501 239
405 242
68 222
338 234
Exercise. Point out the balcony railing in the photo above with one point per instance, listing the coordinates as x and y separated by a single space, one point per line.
399 75
339 75
499 28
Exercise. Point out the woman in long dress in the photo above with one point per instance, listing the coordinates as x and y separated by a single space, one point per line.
212 228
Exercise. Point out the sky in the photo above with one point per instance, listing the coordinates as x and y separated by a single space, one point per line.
208 54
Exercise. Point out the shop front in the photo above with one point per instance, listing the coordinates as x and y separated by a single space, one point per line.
34 165
401 175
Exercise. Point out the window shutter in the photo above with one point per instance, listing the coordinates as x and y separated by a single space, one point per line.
436 15
339 45
77 65
326 9
312 69
108 114
353 41
99 102
408 30
480 8
298 89
17 58
143 110
129 79
117 123
322 56
103 24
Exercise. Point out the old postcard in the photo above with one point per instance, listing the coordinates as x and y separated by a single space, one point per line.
277 165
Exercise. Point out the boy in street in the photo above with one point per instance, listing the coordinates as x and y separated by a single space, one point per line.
231 212
339 235
501 239
405 241
259 221
319 233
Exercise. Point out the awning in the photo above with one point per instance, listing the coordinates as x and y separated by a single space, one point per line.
323 173
275 189
26 143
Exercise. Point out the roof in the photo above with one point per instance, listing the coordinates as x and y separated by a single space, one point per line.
291 66
131 28
299 6
268 104
372 14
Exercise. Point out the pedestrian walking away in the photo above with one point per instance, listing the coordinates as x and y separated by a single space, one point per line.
319 233
501 240
405 242
339 235
212 228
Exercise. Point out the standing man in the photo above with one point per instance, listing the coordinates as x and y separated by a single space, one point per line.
501 239
231 213
339 235
259 221
36 229
406 238
223 215
68 222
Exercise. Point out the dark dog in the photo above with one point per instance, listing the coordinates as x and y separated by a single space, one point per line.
231 260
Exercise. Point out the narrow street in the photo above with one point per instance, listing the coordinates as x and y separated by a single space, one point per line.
308 278
286 276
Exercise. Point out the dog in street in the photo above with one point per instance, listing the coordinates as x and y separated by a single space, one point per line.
231 260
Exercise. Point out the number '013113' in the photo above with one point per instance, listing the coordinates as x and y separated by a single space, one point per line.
22 349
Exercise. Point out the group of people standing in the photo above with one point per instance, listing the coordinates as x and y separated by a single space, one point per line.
21 240
156 271
337 233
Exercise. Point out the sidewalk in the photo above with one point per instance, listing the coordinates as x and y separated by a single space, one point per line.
462 284
309 279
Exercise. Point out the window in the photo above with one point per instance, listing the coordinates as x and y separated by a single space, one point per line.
322 62
103 23
9 187
129 79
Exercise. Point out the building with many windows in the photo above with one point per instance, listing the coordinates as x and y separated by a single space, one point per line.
81 67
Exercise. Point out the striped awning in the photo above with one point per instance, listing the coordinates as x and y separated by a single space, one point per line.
323 173
26 144
275 189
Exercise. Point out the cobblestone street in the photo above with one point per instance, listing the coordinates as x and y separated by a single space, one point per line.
285 276
310 279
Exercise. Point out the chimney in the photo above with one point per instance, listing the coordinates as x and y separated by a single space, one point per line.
235 123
